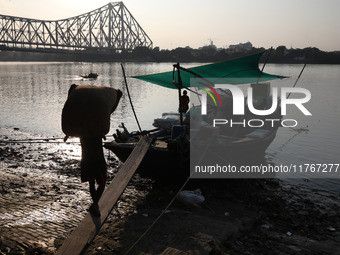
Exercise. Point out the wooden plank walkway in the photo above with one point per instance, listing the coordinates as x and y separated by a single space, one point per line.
83 235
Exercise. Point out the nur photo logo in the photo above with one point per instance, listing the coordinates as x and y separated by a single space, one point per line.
244 104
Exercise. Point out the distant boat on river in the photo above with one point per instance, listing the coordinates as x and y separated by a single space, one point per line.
90 76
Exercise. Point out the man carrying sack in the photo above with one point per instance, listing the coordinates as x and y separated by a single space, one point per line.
86 114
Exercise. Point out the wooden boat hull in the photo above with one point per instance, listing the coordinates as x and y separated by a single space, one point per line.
164 162
159 162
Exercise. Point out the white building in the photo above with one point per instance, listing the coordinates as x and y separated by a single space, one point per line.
241 47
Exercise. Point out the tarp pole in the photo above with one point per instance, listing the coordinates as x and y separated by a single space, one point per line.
271 48
180 94
303 68
179 86
127 89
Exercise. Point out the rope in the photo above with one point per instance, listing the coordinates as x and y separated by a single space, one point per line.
156 220
298 130
280 149
167 207
35 140
40 140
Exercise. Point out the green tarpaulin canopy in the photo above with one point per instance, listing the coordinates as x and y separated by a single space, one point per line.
237 71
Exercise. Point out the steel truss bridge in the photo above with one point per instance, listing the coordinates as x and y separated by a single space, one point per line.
111 28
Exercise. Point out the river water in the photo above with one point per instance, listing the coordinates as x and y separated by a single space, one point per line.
32 96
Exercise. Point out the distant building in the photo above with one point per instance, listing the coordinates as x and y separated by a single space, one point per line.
240 47
211 46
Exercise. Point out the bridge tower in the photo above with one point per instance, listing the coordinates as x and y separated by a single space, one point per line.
110 28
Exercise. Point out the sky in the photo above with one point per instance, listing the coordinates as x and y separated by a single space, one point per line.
195 23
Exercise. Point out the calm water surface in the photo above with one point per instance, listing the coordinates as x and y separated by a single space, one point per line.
32 96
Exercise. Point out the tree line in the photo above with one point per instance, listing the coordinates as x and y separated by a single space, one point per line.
281 54
206 54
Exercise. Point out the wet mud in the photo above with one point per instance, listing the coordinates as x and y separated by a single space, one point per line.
42 200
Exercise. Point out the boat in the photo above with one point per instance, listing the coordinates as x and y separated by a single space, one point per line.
90 76
169 155
166 157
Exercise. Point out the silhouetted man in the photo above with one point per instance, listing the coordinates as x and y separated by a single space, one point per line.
185 101
86 114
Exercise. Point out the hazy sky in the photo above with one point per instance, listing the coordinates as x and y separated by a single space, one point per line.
180 23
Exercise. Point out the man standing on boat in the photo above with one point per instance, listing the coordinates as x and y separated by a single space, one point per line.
185 102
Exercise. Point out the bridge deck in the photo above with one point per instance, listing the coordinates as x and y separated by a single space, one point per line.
81 237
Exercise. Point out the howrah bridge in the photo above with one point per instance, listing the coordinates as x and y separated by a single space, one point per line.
108 29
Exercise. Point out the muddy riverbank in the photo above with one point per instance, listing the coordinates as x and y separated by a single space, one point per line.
42 200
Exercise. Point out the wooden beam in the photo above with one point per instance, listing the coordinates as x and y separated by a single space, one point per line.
83 235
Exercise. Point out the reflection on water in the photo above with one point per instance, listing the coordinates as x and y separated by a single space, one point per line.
320 144
32 96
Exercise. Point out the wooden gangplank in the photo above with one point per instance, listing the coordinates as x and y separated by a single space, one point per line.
83 235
